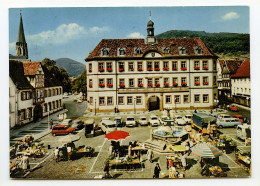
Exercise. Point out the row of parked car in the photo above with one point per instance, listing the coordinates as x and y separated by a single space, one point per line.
67 126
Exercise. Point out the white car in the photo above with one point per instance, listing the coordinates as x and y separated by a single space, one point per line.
179 120
143 121
187 118
130 121
107 125
154 121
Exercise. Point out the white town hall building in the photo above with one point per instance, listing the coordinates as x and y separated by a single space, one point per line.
151 73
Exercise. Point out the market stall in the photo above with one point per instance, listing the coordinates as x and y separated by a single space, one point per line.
176 160
244 159
124 163
85 151
216 171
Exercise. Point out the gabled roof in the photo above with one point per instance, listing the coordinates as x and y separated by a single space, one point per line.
233 65
30 68
221 63
131 44
16 73
244 70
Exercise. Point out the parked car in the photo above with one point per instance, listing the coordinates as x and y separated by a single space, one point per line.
228 122
233 108
130 121
154 121
78 124
244 131
165 120
187 118
107 125
239 118
61 129
223 116
119 122
66 122
143 121
179 120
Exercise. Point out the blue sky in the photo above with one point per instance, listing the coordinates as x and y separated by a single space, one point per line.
73 32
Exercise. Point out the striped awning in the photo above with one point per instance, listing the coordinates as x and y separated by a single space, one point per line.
205 150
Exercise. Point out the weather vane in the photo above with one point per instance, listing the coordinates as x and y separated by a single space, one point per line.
150 15
20 11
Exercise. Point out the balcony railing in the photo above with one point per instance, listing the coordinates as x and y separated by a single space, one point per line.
153 89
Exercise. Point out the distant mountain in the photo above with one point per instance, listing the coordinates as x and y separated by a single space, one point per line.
222 43
74 68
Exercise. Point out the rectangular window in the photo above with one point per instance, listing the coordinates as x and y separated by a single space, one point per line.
166 80
214 65
121 66
140 81
205 98
101 81
149 66
121 100
205 80
205 65
109 81
130 66
174 65
168 99
150 82
196 63
90 66
140 66
131 82
110 100
156 80
177 99
214 80
156 65
183 64
138 100
109 67
90 100
122 81
101 100
196 80
196 98
90 82
183 80
175 80
185 98
129 100
165 64
100 66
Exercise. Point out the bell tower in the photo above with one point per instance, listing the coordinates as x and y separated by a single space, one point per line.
21 45
150 32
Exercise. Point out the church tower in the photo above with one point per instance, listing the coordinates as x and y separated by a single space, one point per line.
21 45
150 32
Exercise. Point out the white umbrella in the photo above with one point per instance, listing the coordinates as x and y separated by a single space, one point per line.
69 138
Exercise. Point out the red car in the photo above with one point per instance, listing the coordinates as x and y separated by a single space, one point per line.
233 108
239 117
61 129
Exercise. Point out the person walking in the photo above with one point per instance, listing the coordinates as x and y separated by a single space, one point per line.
167 163
51 123
65 152
150 155
56 154
183 161
69 152
157 170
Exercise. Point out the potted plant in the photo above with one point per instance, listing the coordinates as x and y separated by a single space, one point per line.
140 69
90 86
174 68
197 83
140 85
101 85
109 69
166 68
184 68
101 70
90 70
196 68
166 84
109 85
205 83
205 68
121 69
149 69
156 69
122 85
157 84
149 84
175 84
184 84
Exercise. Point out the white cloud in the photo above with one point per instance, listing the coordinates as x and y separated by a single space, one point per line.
99 29
135 35
230 16
12 48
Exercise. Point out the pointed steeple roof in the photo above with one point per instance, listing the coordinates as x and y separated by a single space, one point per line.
21 37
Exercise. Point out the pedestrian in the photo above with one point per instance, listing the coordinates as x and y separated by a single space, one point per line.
25 163
157 171
106 169
171 163
64 152
130 150
195 111
56 154
69 152
51 123
183 161
167 163
205 168
150 155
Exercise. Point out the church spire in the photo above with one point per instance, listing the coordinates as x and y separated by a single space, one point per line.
21 45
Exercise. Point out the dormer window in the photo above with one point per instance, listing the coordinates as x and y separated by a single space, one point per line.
182 51
198 50
138 50
121 51
104 51
166 50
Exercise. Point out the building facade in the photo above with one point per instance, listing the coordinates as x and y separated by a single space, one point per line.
151 73
241 84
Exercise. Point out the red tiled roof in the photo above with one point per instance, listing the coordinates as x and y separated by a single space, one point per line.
221 63
243 70
233 65
30 68
130 44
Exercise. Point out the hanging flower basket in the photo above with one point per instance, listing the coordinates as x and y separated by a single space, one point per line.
166 84
121 70
183 84
205 68
109 85
140 69
196 68
156 69
149 69
166 68
101 70
205 83
101 85
174 68
140 85
183 68
90 86
149 84
175 84
157 84
109 69
197 83
90 70
122 85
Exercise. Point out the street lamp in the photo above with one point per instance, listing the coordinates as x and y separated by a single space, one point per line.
95 107
134 106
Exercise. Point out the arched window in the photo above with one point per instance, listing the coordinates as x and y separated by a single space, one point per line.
198 50
121 51
104 52
138 50
166 50
182 50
